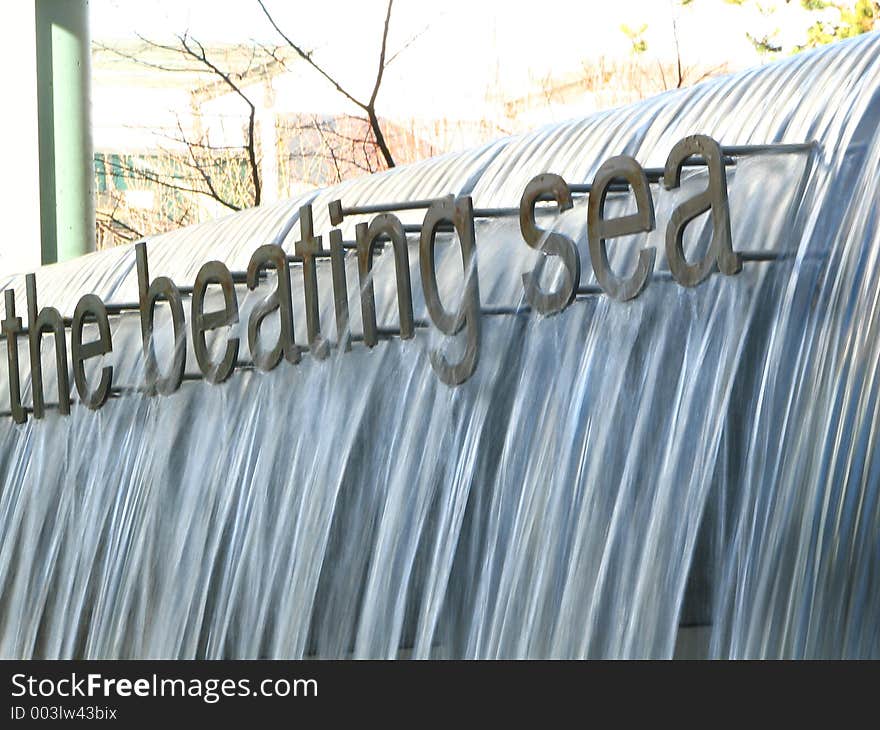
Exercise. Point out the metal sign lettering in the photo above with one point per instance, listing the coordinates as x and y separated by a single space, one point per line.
281 300
446 215
549 243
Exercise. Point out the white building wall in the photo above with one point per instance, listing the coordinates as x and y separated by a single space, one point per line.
20 183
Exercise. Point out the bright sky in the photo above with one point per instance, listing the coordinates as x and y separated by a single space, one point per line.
464 47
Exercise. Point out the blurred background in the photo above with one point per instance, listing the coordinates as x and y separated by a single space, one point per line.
203 107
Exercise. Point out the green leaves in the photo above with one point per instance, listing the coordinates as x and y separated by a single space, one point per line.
636 37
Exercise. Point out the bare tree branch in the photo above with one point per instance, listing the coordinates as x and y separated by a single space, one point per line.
371 106
198 167
307 57
250 143
326 150
330 150
677 54
140 61
406 45
367 106
382 51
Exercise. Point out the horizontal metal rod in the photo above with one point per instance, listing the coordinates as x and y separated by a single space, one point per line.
500 212
758 256
121 308
320 255
779 148
383 207
502 310
478 212
654 175
29 409
589 290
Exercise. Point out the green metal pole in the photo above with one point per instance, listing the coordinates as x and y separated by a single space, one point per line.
67 195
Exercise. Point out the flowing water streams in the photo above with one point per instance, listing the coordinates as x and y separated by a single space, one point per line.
695 457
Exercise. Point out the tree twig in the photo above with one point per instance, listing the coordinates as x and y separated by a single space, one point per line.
368 106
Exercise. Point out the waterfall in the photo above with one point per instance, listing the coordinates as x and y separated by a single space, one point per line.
693 468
